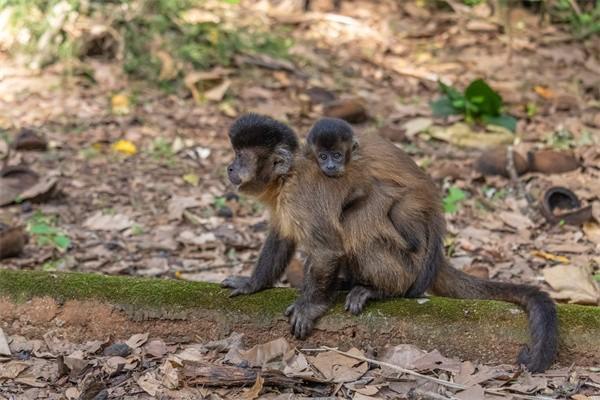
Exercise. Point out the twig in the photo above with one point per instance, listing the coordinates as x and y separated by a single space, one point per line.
592 384
518 184
503 391
430 378
575 7
399 369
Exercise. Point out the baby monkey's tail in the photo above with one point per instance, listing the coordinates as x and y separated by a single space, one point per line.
541 310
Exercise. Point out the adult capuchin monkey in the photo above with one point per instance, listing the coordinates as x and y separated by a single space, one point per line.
389 242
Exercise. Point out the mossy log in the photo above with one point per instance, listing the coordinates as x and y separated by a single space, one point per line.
87 306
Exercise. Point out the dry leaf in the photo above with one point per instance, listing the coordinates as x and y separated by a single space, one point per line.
218 92
4 349
360 396
148 383
403 355
137 340
114 222
72 393
75 362
30 381
416 125
170 377
120 104
575 284
461 134
529 384
296 364
339 368
168 68
261 354
112 364
550 257
473 393
125 147
12 369
191 354
178 204
255 390
592 231
156 348
515 220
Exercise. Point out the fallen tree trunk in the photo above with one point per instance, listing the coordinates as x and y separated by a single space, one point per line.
86 306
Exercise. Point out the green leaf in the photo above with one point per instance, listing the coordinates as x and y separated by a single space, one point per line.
489 101
42 229
452 199
62 241
504 120
597 277
443 107
449 91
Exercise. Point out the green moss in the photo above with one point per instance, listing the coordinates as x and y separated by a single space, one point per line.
147 293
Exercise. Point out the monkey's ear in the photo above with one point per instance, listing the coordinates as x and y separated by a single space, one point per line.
282 160
355 144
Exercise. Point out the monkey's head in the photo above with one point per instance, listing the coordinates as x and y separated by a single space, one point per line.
333 143
264 151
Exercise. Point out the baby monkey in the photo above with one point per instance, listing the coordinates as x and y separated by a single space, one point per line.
333 144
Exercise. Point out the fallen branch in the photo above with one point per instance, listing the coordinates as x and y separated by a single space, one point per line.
90 306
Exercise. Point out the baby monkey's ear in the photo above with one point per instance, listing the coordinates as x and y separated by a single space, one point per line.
355 144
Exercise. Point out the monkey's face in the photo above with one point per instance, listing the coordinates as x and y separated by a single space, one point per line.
254 168
331 161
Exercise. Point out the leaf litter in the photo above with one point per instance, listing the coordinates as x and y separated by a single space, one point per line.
162 369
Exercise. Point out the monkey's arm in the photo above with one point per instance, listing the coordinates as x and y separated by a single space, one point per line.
320 274
274 257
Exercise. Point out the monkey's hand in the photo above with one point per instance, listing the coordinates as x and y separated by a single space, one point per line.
303 315
240 285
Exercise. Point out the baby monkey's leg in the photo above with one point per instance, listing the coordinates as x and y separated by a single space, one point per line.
357 298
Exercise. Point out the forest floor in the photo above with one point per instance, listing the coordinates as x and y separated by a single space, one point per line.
141 183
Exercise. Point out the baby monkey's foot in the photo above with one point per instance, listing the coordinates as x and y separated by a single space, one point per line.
303 315
357 299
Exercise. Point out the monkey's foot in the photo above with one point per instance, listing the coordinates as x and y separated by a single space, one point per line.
302 316
240 285
357 299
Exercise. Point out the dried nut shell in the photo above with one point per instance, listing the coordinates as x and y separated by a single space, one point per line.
12 240
31 140
552 161
495 161
561 204
350 110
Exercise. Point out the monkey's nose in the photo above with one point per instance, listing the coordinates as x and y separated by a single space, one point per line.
331 167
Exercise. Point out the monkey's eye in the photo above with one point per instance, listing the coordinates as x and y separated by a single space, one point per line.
337 156
323 156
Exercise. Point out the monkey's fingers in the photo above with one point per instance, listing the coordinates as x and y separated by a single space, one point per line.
289 310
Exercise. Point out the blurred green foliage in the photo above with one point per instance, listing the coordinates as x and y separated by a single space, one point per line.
136 32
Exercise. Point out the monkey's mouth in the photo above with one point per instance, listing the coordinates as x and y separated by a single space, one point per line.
334 174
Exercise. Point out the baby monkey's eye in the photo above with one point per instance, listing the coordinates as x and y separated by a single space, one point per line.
323 156
337 156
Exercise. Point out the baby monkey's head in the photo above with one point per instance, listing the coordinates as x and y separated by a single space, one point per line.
332 142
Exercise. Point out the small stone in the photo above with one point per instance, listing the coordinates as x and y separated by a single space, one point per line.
117 349
225 212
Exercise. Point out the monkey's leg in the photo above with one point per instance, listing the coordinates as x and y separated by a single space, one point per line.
274 257
357 298
319 279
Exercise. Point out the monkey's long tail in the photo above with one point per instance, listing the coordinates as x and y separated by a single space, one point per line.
541 310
